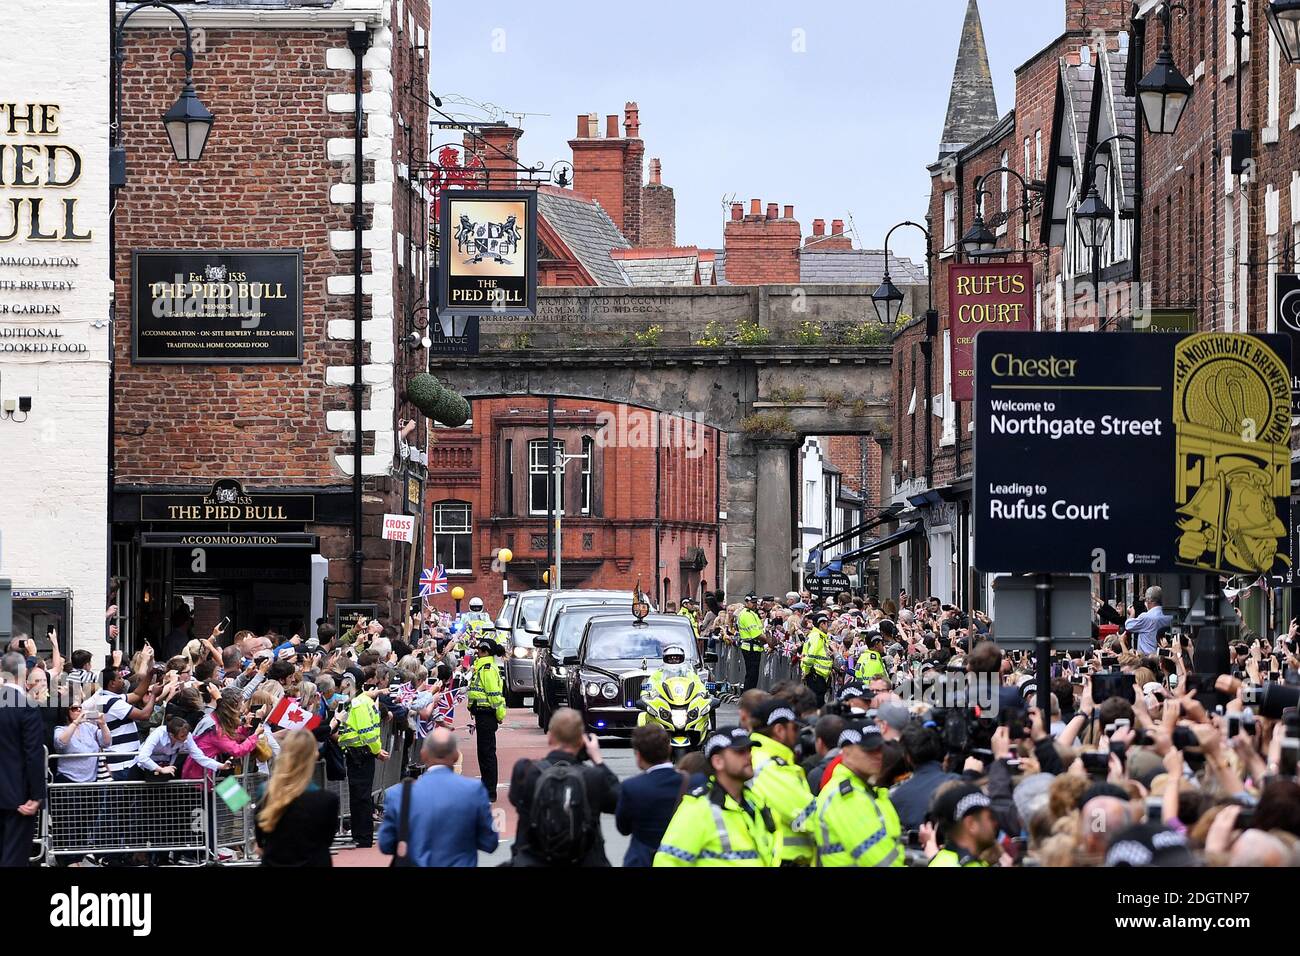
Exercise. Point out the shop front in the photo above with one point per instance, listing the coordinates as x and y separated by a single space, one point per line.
253 556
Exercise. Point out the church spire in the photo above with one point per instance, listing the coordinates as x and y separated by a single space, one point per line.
972 106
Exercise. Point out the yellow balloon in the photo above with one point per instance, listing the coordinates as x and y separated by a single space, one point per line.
546 577
505 555
457 593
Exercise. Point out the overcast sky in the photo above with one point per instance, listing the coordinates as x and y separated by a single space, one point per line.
842 130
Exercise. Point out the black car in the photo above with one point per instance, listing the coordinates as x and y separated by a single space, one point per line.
550 687
605 673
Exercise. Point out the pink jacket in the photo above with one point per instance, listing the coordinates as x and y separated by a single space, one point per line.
215 743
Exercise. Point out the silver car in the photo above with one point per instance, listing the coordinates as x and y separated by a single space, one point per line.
525 614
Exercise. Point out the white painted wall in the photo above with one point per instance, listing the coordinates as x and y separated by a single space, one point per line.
53 467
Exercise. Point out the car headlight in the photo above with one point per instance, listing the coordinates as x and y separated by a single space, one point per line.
522 652
593 689
608 691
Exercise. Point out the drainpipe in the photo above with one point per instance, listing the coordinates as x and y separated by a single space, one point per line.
358 43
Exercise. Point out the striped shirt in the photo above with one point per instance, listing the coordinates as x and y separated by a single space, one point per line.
126 736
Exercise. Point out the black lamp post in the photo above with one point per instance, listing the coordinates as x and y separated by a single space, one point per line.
1093 219
888 303
1284 18
980 241
1164 91
187 123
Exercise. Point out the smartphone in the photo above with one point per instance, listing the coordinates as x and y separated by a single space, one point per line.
224 624
1166 652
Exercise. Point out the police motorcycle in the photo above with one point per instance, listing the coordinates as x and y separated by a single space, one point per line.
675 698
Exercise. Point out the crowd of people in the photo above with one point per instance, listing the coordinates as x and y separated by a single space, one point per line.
905 735
303 711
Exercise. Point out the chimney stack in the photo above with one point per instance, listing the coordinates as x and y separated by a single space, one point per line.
609 169
822 241
503 172
762 249
658 211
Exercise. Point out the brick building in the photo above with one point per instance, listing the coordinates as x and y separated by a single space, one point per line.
279 173
1070 97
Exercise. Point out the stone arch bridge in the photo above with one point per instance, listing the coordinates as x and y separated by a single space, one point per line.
765 398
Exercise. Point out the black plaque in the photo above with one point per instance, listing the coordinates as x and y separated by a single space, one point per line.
347 615
828 586
225 307
1130 452
487 253
227 539
227 502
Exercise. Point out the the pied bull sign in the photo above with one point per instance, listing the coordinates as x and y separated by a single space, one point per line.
487 253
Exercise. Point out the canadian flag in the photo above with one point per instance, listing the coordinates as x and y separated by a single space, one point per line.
287 715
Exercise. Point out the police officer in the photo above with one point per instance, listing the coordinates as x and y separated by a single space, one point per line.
487 704
688 611
816 659
852 820
871 664
477 618
719 824
360 741
966 820
749 627
779 783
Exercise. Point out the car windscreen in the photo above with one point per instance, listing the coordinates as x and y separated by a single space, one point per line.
530 609
625 642
507 612
569 626
560 602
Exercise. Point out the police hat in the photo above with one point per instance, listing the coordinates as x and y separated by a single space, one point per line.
874 638
727 738
855 690
959 801
774 711
750 598
861 733
486 644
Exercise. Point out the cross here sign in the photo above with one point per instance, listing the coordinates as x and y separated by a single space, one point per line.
399 528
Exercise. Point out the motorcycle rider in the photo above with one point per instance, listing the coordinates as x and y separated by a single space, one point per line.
476 618
673 665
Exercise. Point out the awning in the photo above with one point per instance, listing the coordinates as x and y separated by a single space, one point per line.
881 544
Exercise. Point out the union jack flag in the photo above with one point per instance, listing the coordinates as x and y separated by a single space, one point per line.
433 581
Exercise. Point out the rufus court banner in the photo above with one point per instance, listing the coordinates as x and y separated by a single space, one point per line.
1128 453
487 247
228 307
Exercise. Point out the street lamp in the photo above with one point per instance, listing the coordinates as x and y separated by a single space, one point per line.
888 303
1284 18
1164 91
504 556
979 238
187 123
458 595
1093 218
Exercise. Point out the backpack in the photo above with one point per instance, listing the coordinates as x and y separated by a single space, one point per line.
562 826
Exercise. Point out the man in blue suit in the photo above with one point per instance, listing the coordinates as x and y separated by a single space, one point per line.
450 817
646 802
22 764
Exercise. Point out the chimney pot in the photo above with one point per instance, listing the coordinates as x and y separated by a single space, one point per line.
656 172
756 207
771 210
837 227
582 126
611 126
632 121
789 212
737 211
819 227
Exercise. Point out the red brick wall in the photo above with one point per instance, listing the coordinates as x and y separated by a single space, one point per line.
762 249
1084 16
469 466
266 423
658 216
609 169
